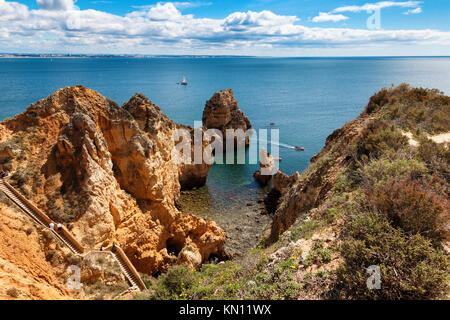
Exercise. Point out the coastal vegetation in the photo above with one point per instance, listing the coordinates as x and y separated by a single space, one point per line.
386 205
377 195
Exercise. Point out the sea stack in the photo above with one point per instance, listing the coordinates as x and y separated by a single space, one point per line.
222 112
267 168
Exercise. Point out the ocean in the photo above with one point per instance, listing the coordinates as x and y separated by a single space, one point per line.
306 98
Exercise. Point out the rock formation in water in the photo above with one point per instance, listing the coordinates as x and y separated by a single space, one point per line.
222 112
267 167
108 173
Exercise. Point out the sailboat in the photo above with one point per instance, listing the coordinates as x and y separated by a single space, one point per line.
184 82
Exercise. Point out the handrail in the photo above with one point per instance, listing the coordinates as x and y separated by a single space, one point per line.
43 216
130 266
71 238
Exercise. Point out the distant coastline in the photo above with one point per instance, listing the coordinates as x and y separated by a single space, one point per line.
137 56
48 56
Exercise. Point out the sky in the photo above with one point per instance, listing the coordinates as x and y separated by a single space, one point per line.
227 27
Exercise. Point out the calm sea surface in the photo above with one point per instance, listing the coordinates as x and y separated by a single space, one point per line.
306 98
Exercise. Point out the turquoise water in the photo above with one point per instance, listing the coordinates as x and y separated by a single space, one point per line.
306 98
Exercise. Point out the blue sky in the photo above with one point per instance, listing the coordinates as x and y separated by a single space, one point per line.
249 27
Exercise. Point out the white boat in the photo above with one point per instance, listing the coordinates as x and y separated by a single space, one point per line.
184 82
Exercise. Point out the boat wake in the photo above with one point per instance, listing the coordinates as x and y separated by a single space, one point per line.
284 145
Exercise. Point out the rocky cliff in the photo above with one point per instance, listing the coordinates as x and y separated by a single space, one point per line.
374 202
222 112
26 268
107 172
372 197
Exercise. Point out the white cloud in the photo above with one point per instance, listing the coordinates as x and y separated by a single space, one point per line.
163 27
181 5
378 5
250 19
56 4
324 17
164 12
191 4
12 11
413 11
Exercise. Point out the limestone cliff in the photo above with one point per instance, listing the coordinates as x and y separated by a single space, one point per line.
26 269
302 193
107 172
371 197
222 112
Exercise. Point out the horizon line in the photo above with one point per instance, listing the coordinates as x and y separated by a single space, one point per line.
125 55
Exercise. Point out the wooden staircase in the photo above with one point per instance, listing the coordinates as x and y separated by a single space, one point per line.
67 238
128 269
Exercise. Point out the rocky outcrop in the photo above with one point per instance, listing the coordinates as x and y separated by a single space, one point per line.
267 167
101 267
192 175
108 173
222 112
304 192
281 181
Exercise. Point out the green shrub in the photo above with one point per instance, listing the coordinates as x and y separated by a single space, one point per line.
421 109
20 177
384 169
318 255
305 230
378 100
380 139
172 284
178 278
435 156
411 268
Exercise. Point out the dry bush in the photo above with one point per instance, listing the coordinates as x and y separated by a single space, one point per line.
13 292
413 207
411 267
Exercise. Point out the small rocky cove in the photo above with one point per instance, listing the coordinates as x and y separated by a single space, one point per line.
200 231
231 197
243 216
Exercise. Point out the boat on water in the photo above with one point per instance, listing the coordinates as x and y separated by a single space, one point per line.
299 148
184 82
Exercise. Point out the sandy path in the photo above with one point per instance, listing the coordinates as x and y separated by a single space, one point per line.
440 138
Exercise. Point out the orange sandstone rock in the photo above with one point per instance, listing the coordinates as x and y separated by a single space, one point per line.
107 172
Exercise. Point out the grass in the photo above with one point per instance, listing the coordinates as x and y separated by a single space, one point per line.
101 291
317 255
227 281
